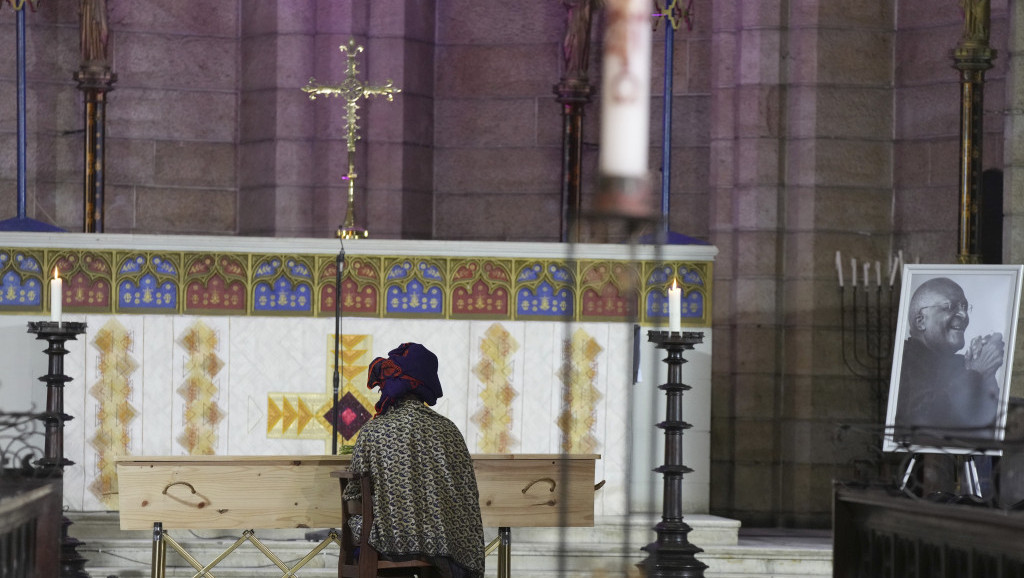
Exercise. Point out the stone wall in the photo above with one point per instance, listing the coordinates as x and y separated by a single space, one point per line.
800 128
927 132
801 167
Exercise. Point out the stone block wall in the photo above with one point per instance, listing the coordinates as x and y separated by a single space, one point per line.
800 129
927 133
800 167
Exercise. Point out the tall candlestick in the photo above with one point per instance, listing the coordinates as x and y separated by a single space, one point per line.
626 89
839 268
56 296
675 294
853 270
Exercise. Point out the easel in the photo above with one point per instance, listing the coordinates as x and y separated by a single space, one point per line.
969 484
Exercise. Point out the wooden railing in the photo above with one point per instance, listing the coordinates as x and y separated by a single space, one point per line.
30 527
881 535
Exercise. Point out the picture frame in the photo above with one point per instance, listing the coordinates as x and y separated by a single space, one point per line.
950 385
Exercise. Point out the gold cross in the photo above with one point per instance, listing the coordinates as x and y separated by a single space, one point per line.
352 89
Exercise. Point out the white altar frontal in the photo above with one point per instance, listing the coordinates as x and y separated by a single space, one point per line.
226 346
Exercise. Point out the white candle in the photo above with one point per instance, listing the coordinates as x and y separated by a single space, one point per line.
853 269
867 268
56 295
675 295
878 273
839 269
626 89
895 266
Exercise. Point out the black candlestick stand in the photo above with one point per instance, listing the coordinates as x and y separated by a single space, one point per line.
53 461
672 554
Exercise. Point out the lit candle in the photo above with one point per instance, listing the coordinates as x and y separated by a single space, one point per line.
626 89
853 269
839 269
56 295
675 295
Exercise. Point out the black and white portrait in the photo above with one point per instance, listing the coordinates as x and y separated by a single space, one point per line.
952 357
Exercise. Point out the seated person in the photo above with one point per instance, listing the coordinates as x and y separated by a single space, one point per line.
426 503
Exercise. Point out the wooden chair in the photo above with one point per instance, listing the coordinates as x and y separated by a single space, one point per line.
369 564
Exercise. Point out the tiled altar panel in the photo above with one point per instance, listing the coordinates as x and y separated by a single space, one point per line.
157 343
277 355
75 405
649 447
259 356
540 387
617 424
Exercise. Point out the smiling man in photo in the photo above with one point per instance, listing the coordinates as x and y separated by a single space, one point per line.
943 392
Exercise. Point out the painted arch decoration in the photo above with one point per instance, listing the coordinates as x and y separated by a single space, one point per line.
428 287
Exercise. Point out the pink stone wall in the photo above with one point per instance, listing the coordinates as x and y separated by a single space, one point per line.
927 133
800 128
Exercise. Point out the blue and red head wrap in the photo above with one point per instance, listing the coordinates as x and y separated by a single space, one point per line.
409 368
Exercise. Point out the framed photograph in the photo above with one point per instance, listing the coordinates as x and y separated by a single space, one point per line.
952 358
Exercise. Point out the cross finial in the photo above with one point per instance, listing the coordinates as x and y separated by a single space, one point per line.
352 90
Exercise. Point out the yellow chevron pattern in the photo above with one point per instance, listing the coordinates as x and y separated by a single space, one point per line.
113 390
301 415
579 394
201 413
494 370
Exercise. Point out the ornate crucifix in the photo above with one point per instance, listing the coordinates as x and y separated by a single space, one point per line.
352 89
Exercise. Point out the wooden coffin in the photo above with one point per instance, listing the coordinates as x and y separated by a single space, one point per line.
249 492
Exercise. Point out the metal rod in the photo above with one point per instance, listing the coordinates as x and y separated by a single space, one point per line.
336 379
20 26
666 123
505 552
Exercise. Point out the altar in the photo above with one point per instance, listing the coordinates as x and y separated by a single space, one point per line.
224 346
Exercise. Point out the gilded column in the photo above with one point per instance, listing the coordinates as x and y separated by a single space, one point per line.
972 57
95 79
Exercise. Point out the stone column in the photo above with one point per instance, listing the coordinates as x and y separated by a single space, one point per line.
1013 162
276 191
399 136
801 166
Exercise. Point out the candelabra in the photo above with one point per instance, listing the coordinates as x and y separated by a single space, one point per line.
53 461
868 325
672 555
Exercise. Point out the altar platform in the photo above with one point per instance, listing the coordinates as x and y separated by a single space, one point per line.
226 346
